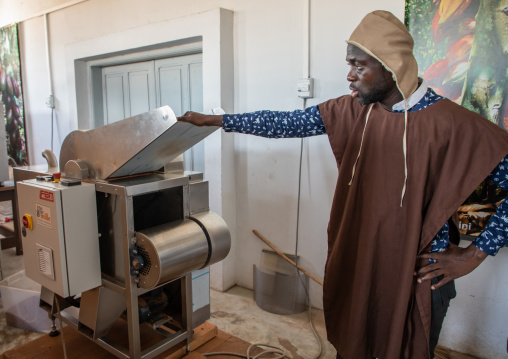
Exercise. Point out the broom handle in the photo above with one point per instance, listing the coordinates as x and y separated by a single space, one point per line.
285 257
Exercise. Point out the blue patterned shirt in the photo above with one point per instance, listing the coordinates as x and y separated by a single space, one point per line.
308 122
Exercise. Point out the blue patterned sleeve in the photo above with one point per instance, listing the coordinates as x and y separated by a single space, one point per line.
495 234
276 124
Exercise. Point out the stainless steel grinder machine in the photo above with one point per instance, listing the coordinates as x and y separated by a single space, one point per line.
122 243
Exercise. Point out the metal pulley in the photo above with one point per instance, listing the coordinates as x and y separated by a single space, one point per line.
137 261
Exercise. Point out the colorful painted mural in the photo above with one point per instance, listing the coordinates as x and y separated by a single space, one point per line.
462 51
12 95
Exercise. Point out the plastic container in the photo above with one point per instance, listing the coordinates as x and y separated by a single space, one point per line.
20 298
278 287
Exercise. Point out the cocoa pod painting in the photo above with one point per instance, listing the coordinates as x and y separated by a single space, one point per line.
11 95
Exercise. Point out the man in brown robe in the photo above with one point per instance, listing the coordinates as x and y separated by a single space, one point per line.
401 177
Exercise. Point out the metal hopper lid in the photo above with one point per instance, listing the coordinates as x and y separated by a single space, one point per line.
139 144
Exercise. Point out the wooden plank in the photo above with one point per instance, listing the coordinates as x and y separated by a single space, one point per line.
444 353
48 347
8 225
194 355
80 347
11 231
7 231
202 334
212 345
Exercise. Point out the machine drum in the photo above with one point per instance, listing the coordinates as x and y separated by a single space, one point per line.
177 248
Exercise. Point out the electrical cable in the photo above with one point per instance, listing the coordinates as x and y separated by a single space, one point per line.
307 11
52 127
278 350
51 98
61 327
275 350
309 312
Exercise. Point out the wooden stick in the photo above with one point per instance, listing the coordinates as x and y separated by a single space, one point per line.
285 257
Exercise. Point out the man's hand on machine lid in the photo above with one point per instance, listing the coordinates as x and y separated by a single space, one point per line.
199 119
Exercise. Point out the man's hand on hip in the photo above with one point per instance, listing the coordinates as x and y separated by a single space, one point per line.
452 263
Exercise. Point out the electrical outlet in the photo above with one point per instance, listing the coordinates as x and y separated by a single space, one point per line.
50 102
305 88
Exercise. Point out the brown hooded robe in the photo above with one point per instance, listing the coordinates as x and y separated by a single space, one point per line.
373 305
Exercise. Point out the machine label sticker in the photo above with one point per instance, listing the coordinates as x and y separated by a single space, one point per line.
43 215
47 196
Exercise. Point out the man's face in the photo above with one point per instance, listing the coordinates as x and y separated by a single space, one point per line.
370 81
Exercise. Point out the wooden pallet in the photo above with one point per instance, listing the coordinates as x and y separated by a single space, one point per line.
443 353
206 339
79 347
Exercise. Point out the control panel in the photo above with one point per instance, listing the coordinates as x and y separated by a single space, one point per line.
60 235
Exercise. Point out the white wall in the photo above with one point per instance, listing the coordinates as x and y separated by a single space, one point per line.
477 321
268 60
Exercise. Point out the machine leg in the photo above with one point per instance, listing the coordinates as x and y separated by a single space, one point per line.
54 332
187 307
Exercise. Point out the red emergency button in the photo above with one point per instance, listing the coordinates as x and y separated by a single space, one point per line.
27 221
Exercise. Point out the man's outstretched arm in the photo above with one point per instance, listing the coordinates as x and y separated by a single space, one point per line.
272 124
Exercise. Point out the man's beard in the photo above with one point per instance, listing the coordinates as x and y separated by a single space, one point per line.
370 97
377 94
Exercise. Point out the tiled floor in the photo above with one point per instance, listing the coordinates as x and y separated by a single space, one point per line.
233 312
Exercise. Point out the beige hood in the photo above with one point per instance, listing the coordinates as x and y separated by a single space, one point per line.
384 37
381 35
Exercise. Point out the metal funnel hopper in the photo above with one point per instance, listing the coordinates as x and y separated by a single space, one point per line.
138 144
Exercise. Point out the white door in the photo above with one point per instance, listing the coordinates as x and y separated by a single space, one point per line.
179 82
131 89
128 90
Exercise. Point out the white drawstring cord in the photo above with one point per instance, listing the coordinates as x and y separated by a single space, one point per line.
361 144
404 150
